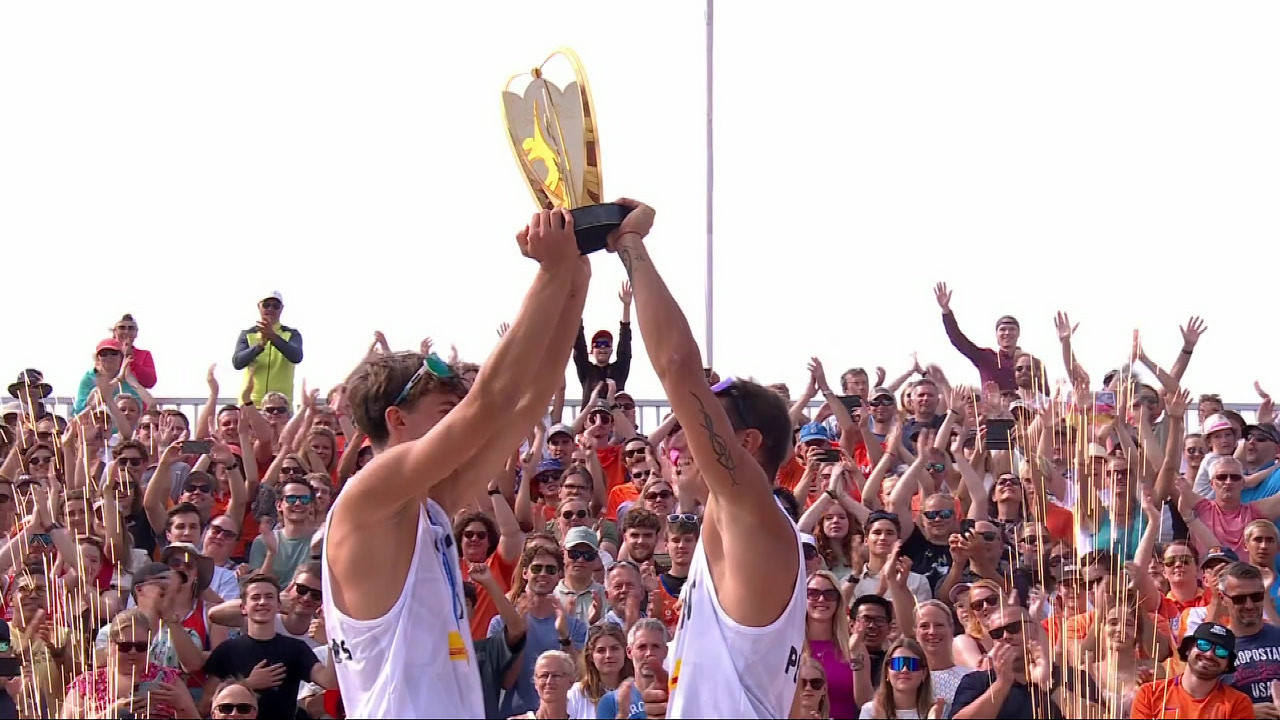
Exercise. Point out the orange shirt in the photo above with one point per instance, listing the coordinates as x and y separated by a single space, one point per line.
624 493
1171 609
668 611
1168 699
501 571
615 473
1077 627
1060 523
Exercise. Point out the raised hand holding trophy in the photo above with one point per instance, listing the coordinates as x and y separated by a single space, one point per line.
551 123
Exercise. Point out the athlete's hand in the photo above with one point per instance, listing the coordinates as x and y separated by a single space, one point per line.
655 696
549 239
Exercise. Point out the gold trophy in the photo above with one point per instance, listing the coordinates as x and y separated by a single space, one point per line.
552 126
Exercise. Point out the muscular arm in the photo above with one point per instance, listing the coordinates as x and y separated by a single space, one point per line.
743 527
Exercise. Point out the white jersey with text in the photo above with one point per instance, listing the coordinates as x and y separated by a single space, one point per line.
721 669
416 661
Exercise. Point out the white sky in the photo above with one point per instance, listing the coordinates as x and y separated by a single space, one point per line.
179 160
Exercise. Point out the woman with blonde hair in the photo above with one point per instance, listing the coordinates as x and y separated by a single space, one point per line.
935 631
602 666
905 688
129 682
1111 652
829 644
812 701
552 676
985 597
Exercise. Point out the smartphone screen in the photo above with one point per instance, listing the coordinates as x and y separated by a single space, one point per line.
829 456
10 666
998 434
851 401
196 447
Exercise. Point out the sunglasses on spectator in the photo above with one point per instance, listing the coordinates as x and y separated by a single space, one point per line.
475 534
1014 628
272 305
1228 477
987 535
1147 400
1255 598
275 409
881 402
40 460
297 499
813 683
127 646
904 663
625 406
294 470
1008 481
829 594
683 518
219 530
601 344
301 591
1196 451
573 514
1259 437
129 461
582 554
572 486
935 467
1173 560
986 601
943 514
1033 539
1219 651
235 708
181 561
197 488
541 569
600 418
634 452
659 495
641 474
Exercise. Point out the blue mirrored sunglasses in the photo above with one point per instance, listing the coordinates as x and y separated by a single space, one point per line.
430 364
1205 646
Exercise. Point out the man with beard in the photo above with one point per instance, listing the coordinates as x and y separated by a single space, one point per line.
1199 691
1257 641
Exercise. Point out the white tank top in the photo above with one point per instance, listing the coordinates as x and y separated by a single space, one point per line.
416 661
720 669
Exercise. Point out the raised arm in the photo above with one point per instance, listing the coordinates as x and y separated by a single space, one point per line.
958 339
743 527
501 405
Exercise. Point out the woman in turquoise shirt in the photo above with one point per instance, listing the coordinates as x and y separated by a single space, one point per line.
106 359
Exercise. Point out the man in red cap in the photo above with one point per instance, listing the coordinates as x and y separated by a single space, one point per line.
593 365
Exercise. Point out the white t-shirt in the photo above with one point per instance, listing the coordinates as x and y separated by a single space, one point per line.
945 683
580 706
868 711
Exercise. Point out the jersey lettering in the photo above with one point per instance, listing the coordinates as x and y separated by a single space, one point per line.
688 606
793 663
338 651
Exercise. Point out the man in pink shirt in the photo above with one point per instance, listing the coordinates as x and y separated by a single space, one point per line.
1226 515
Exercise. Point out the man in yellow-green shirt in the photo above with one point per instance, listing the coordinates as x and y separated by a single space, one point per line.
268 351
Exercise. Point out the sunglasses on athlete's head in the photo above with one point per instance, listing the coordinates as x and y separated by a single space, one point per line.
431 364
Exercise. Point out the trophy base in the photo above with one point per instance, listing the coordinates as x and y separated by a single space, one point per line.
593 223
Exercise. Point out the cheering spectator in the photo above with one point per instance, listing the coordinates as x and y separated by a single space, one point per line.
905 685
602 666
1199 692
108 359
30 389
594 367
233 700
140 362
268 351
994 366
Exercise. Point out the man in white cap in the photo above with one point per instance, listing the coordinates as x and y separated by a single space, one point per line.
268 351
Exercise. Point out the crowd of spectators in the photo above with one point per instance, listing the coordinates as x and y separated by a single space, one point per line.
1014 549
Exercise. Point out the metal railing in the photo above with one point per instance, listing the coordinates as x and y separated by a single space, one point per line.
649 413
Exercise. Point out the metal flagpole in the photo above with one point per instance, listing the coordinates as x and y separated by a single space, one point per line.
710 295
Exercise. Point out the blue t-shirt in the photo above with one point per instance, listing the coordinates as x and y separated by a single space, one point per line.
540 637
1269 486
1257 663
607 708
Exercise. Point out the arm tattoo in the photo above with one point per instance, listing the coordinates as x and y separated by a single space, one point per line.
724 455
630 258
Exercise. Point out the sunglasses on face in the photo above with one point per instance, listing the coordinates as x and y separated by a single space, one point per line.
197 488
633 452
128 646
943 514
904 663
1010 629
1219 651
600 418
271 304
1008 481
1255 598
219 530
935 467
582 554
275 409
235 708
660 495
1195 451
301 591
829 595
574 514
1256 437
297 499
626 406
987 535
979 604
109 354
1228 477
601 344
40 460
1173 560
180 561
812 683
292 471
881 402
129 461
475 534
540 569
1034 539
641 474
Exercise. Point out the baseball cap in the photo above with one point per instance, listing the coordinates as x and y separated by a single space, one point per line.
1219 554
273 295
12 408
602 335
1214 423
601 406
560 429
622 394
1214 633
814 431
1268 429
581 536
550 465
1007 320
149 572
108 344
957 590
881 392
